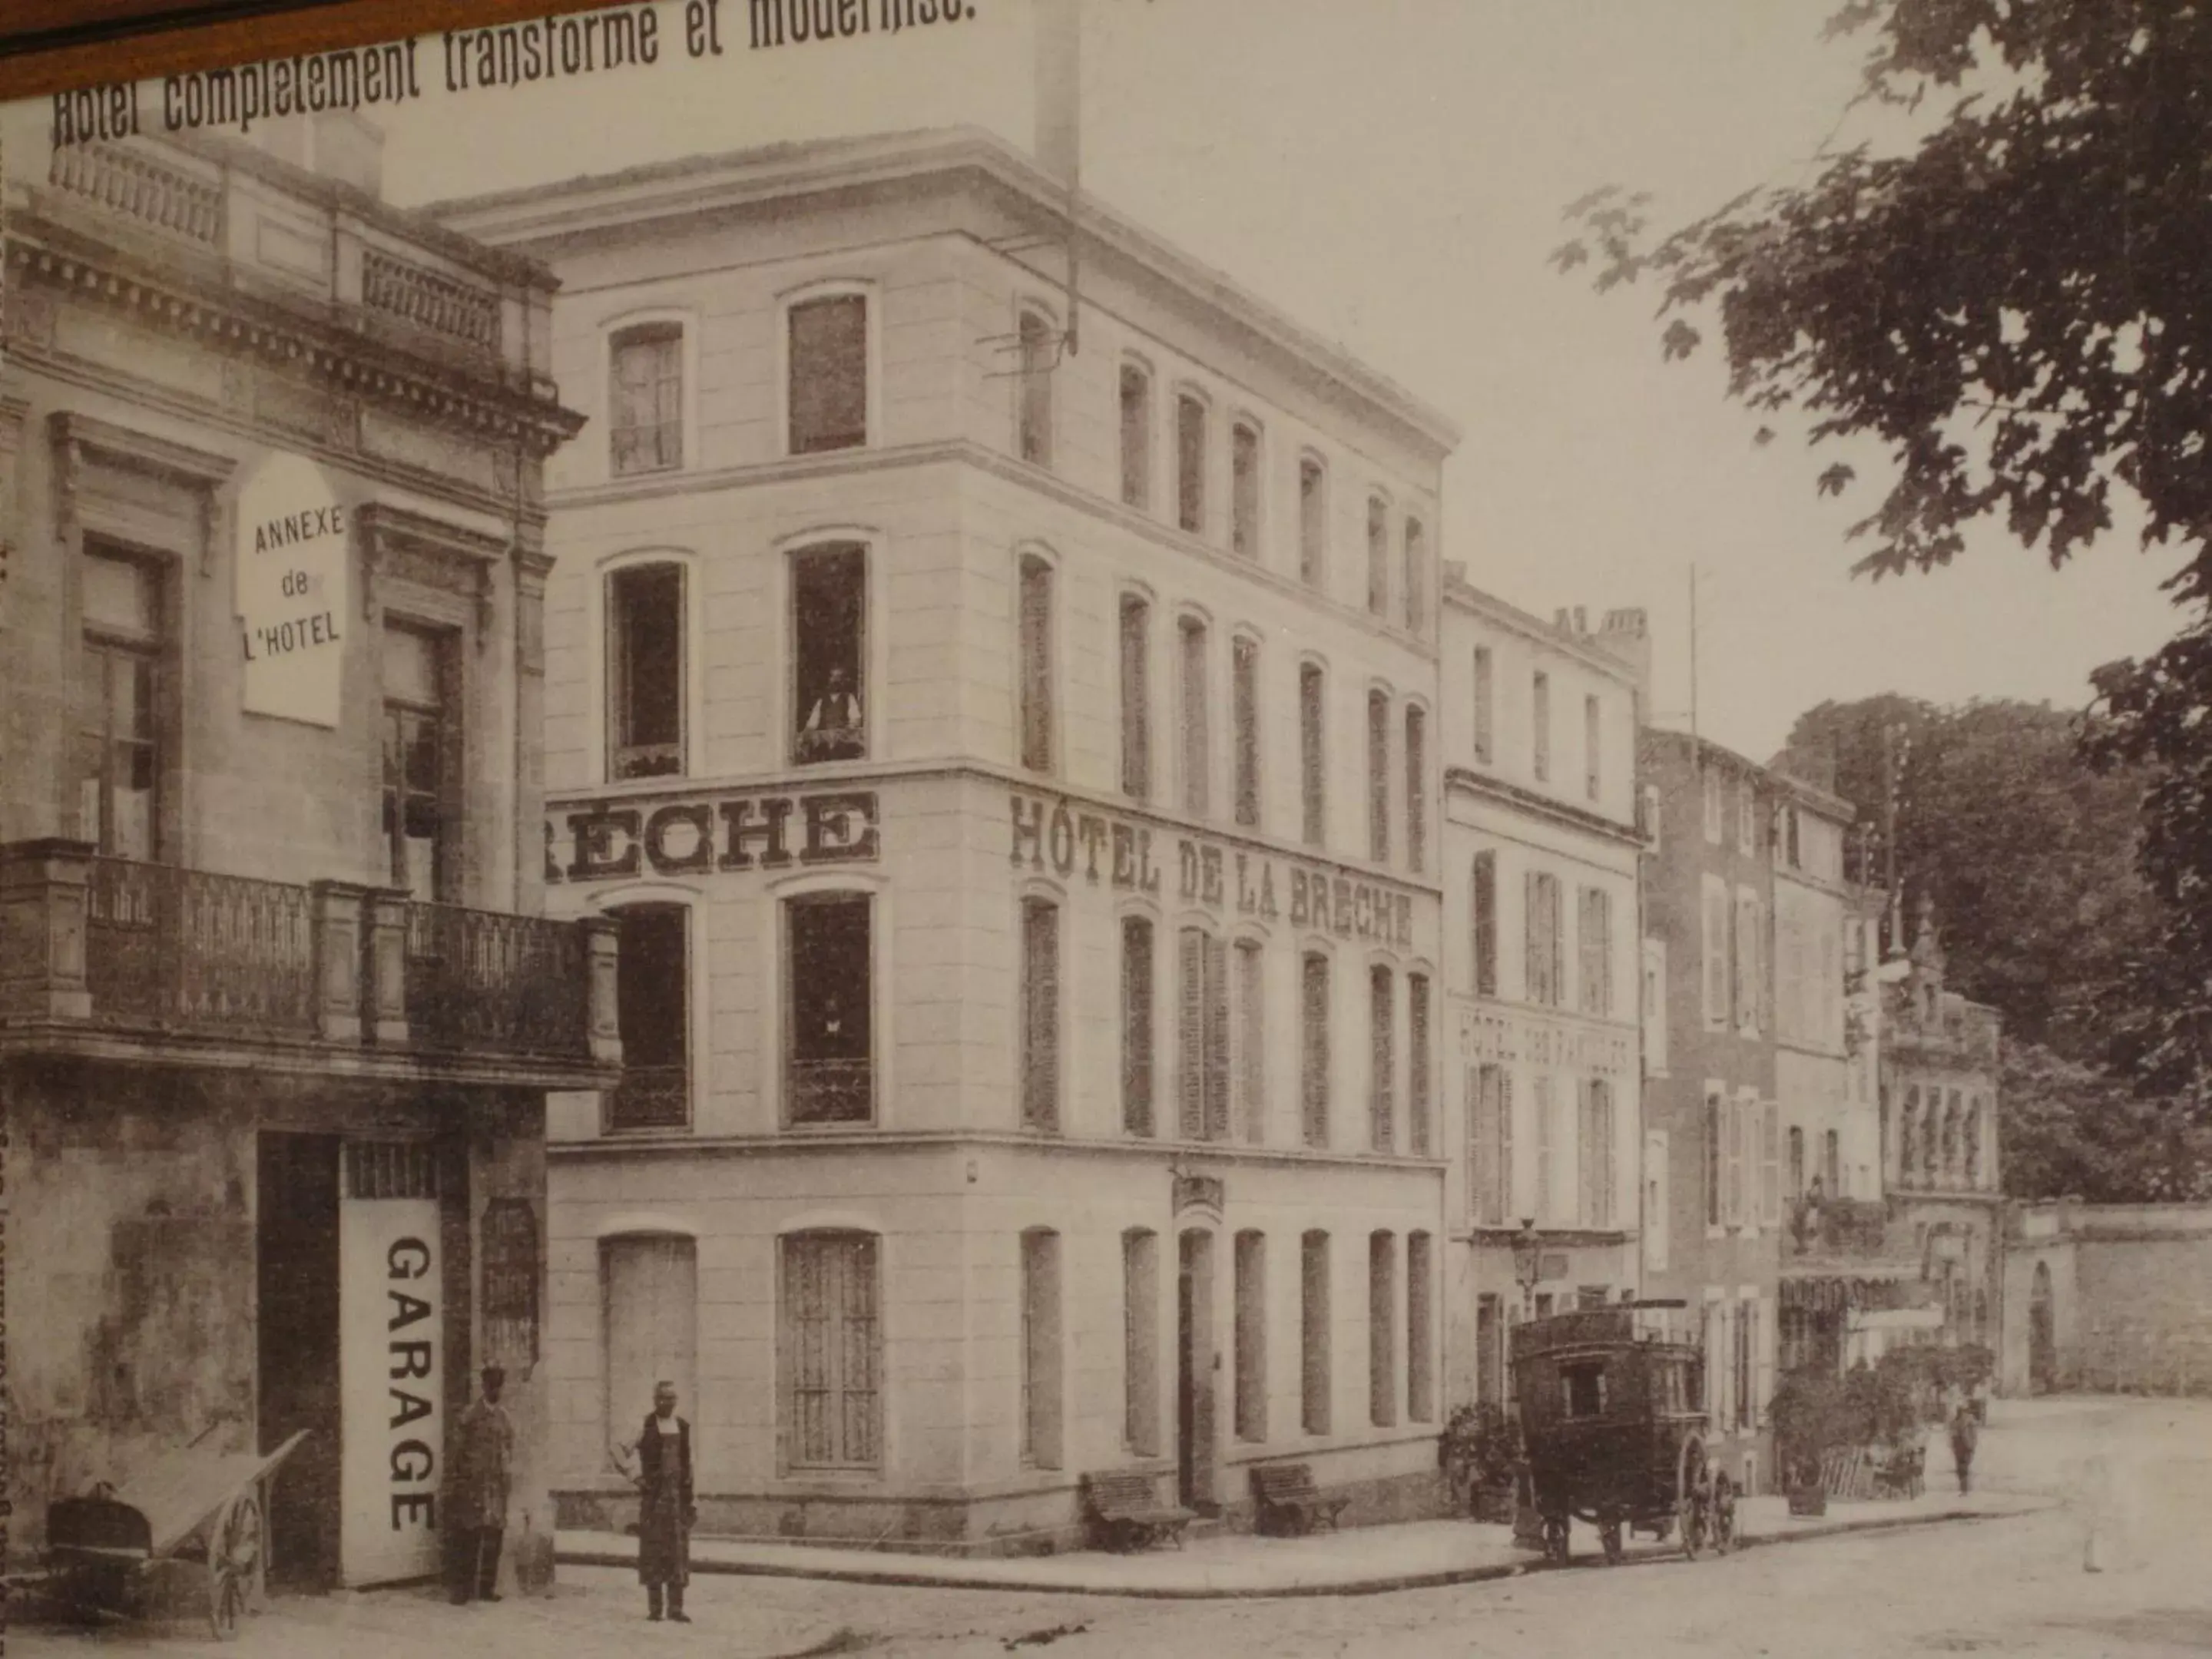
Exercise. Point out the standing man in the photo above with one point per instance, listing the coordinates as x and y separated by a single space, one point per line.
1965 1435
665 1518
483 1465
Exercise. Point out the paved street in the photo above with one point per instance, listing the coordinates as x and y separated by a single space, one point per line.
2012 1586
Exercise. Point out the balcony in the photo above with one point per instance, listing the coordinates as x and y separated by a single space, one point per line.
831 1091
101 954
1848 1237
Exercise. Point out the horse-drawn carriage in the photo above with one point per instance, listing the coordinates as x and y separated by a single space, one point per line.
1611 1428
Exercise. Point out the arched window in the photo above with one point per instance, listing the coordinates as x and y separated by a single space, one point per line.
1035 645
646 671
1042 1349
826 388
653 975
831 1393
645 408
829 1004
829 653
649 1312
1039 345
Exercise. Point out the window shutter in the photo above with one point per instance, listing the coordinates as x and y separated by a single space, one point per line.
1190 1031
1504 1087
1770 1161
1137 1025
1216 953
1486 923
1041 1052
1532 927
1314 1032
1732 1146
1417 1063
1381 1130
1585 1156
1543 1205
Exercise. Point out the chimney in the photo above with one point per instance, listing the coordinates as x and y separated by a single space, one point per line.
1625 637
1059 124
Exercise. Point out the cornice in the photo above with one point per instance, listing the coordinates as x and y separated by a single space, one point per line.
1171 1155
1543 806
191 295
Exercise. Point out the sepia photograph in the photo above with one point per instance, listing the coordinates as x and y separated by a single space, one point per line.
1145 827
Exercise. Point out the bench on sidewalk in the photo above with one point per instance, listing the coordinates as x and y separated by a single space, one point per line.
1126 1514
1288 1500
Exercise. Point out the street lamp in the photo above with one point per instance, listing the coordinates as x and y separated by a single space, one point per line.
1528 1263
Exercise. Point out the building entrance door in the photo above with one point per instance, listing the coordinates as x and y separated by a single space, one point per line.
2042 1337
1196 1473
296 1247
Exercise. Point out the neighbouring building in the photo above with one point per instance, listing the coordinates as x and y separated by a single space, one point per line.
1939 1084
2105 1298
1544 968
277 1019
1712 1109
1002 722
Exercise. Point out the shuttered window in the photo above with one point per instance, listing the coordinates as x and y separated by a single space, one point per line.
1378 556
1244 714
1492 1150
1042 1347
1313 1056
1420 1331
1545 1206
1417 790
1382 1329
1484 890
1136 698
1378 776
1313 522
1382 1128
1251 1336
1250 1016
1140 1324
1417 1063
1594 920
1202 1046
1040 1056
1313 1334
1196 716
1137 1025
650 1307
828 396
1312 787
1037 711
1769 1161
831 1351
1136 436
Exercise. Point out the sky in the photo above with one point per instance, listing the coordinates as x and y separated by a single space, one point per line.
1392 174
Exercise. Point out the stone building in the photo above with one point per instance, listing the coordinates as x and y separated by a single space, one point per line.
2105 1298
1713 1110
277 1019
1001 722
1543 963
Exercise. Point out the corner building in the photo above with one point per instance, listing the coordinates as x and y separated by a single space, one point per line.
277 1019
1001 730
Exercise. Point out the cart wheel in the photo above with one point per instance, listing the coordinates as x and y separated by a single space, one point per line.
1555 1547
1723 1515
1608 1537
234 1560
1690 1488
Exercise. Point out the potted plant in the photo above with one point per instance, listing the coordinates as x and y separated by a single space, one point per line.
1481 1453
1811 1417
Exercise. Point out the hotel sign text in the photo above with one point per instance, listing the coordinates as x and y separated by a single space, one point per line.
1129 857
698 837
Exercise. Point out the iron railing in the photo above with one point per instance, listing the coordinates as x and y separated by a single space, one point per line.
486 981
651 1098
186 947
831 1091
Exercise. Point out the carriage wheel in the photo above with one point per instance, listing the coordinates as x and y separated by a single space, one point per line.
1556 1548
233 1561
1609 1539
1723 1515
1690 1488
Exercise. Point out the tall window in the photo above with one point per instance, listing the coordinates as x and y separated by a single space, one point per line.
1190 465
645 419
1041 1349
1250 1013
1137 1025
1735 1137
1596 921
1770 1164
1383 1129
1654 1007
1541 1104
1202 1041
1039 343
1417 575
1484 890
1036 712
1591 740
1417 789
1378 776
1492 1088
1540 715
827 394
1245 714
1597 1154
1251 1336
831 1355
1313 1047
1192 710
1040 1047
1484 707
1382 1329
421 757
1140 1326
1744 983
830 971
1716 810
1796 1143
119 736
1832 1159
1378 556
1417 1062
1546 947
1244 489
828 655
1420 1331
1312 785
1313 1333
649 1315
645 671
1136 436
1313 522
1718 977
653 1013
1715 1127
1136 698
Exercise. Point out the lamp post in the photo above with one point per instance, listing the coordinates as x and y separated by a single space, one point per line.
1527 1264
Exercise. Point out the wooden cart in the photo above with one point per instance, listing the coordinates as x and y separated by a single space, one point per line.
193 1513
1607 1399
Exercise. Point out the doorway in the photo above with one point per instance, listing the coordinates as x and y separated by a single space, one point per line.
2042 1334
1196 1474
297 1361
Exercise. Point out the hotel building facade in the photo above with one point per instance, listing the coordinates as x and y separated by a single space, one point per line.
1001 723
1542 968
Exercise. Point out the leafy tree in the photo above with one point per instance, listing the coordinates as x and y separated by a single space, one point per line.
2069 1129
2027 853
2013 309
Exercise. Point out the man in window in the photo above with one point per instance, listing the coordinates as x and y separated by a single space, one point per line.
832 727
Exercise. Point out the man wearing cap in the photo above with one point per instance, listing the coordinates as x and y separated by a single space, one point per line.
482 1465
666 1514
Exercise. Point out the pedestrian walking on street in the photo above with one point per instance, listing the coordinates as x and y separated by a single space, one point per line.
483 1470
665 1517
1965 1434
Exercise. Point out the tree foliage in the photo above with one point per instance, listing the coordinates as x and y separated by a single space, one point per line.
2068 1128
2013 308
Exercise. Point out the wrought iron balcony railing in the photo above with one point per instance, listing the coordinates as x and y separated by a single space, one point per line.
831 1091
154 952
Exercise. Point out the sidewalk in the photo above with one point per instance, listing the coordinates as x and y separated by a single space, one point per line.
1364 1560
